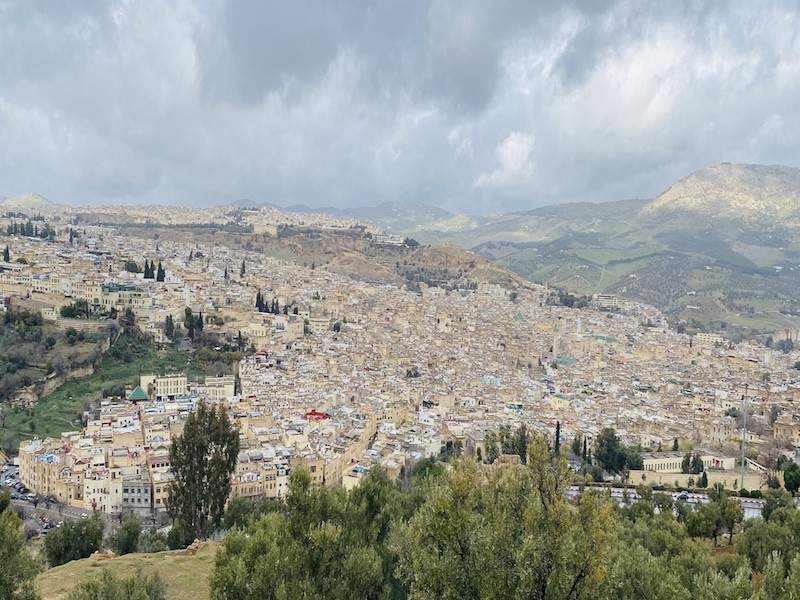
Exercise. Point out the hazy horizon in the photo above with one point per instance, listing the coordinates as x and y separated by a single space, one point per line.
473 107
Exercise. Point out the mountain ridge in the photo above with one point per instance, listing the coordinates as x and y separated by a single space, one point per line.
738 191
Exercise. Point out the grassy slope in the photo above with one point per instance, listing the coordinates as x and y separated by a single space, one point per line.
185 576
58 412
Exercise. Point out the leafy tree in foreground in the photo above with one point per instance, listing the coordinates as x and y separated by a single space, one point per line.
203 458
511 534
326 544
111 587
17 567
76 538
126 539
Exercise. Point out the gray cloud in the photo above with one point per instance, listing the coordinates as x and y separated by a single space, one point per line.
470 105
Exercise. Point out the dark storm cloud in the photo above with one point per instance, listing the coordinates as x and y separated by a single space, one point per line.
471 105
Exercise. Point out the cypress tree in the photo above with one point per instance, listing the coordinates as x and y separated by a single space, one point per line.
557 445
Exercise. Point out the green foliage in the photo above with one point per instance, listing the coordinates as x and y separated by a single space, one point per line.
131 267
775 499
75 539
613 455
111 587
17 567
203 458
791 477
492 447
327 544
152 541
692 463
427 467
760 538
169 327
178 538
473 531
577 444
126 538
79 309
511 534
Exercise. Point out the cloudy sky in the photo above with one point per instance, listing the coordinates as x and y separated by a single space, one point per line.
474 106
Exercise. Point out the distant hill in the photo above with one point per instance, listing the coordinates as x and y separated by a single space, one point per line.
395 217
734 191
29 201
398 217
719 248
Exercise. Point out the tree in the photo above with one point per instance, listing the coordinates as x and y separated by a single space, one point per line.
17 568
125 540
111 587
731 514
160 273
557 442
7 254
322 543
692 463
608 451
242 270
773 500
791 477
522 436
675 445
526 542
169 327
129 317
76 538
576 444
131 267
203 458
703 483
188 322
492 449
75 310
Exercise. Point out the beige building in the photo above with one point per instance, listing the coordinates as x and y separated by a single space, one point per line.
217 388
787 429
672 462
162 387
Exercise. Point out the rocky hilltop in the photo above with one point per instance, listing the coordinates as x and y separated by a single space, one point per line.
734 191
